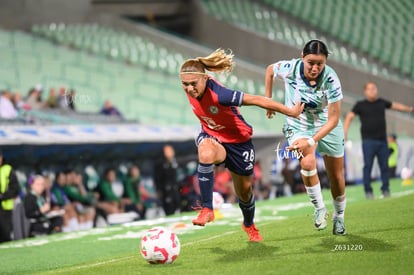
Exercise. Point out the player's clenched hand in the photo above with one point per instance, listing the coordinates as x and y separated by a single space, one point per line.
297 109
270 113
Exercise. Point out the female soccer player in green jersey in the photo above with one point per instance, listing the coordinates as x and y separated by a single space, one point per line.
314 83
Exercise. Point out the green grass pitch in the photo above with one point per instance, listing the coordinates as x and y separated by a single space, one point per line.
380 240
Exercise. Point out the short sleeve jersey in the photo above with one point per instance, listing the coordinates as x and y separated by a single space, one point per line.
327 90
219 115
372 117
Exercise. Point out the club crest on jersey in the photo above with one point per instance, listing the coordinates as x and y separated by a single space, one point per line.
214 109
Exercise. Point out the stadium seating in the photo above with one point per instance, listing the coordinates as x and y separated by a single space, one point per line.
352 46
99 63
380 29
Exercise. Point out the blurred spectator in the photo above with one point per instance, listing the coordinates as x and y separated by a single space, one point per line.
18 103
71 99
110 192
276 177
60 200
190 190
292 176
7 109
38 209
393 155
132 191
9 189
261 188
34 98
110 110
168 187
152 204
52 99
62 100
223 183
83 201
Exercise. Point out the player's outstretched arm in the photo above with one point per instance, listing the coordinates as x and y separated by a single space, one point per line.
269 104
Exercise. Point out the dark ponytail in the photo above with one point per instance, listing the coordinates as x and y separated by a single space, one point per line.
315 47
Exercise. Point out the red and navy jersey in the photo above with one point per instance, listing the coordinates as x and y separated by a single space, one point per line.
219 115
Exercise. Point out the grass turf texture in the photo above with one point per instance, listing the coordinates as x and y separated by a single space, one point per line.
379 241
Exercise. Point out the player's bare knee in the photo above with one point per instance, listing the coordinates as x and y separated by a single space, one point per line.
206 155
308 162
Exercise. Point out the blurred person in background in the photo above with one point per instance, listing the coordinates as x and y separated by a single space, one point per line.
393 155
223 183
109 109
371 112
9 190
166 181
59 199
38 209
19 103
83 201
7 108
71 97
34 98
132 190
110 192
62 100
52 99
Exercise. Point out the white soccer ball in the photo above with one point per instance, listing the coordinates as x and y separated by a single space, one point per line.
160 246
218 200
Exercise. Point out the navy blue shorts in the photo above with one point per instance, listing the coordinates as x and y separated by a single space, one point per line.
240 157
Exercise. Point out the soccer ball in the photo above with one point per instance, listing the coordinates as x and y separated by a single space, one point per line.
160 246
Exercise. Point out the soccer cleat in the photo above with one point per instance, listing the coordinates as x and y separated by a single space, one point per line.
206 215
369 195
253 233
385 194
339 226
320 217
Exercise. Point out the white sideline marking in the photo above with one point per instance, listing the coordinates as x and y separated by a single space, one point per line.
90 265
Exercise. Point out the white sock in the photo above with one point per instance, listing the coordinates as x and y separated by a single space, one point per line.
315 196
73 224
88 225
339 206
66 229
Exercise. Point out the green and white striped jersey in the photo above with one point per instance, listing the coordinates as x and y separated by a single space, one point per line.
316 98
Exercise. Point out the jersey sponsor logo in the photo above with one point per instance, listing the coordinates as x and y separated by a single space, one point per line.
212 124
214 110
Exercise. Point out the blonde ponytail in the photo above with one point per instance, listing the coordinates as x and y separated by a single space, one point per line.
217 61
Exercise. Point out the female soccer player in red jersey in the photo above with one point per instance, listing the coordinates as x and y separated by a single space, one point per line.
225 136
